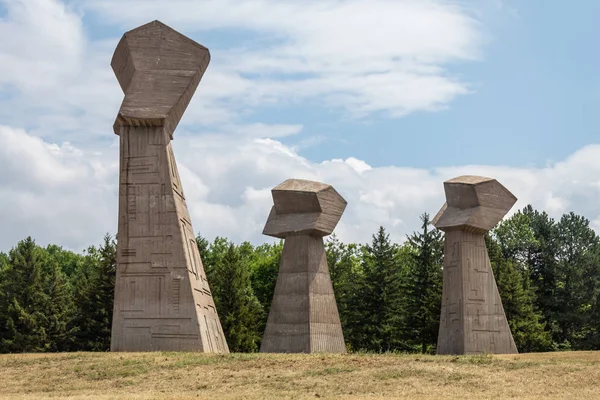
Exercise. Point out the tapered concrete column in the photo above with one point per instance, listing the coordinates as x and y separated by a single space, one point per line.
304 317
472 319
162 298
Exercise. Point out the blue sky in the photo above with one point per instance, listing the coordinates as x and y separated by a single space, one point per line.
533 101
383 99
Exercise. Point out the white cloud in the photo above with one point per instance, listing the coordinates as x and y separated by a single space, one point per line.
68 196
56 83
595 224
54 193
361 56
357 165
59 176
42 43
261 130
357 56
48 164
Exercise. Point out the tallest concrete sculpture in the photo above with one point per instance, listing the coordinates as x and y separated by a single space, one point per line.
162 298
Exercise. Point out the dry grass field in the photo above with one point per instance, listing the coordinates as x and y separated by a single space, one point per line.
572 375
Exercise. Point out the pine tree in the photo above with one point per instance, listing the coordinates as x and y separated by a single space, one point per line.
105 285
35 302
84 332
342 261
202 244
238 306
424 285
529 239
334 250
376 315
59 309
518 299
94 297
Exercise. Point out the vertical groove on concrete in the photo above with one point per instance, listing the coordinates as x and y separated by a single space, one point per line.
304 317
325 327
473 319
287 327
162 299
161 294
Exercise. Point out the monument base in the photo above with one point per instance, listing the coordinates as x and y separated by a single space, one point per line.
304 316
162 298
472 318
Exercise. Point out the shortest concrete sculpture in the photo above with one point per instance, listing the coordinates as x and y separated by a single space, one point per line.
472 319
304 317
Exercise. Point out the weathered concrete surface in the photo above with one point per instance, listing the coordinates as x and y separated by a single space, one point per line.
472 318
304 208
159 70
162 298
304 317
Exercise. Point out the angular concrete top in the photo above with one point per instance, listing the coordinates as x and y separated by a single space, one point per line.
469 179
159 70
473 202
301 185
304 207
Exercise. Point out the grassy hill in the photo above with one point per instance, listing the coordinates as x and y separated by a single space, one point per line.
574 375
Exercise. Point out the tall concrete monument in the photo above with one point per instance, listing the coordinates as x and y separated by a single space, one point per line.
472 319
304 316
162 299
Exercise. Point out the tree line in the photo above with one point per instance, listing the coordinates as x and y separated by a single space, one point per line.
388 294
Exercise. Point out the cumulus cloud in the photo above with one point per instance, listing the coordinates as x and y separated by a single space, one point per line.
42 44
65 195
53 80
361 56
58 99
55 193
358 56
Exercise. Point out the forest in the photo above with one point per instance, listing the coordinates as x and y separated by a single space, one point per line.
388 294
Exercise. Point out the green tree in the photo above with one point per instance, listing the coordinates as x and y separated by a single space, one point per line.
343 261
68 261
424 286
529 239
35 302
578 277
518 301
264 269
240 310
94 297
376 303
212 256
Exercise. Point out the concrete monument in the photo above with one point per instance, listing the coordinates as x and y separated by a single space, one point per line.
304 317
472 319
162 299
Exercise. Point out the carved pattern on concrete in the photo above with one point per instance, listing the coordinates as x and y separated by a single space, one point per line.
304 316
162 299
472 319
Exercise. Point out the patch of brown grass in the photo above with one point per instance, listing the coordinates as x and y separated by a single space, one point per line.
276 376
